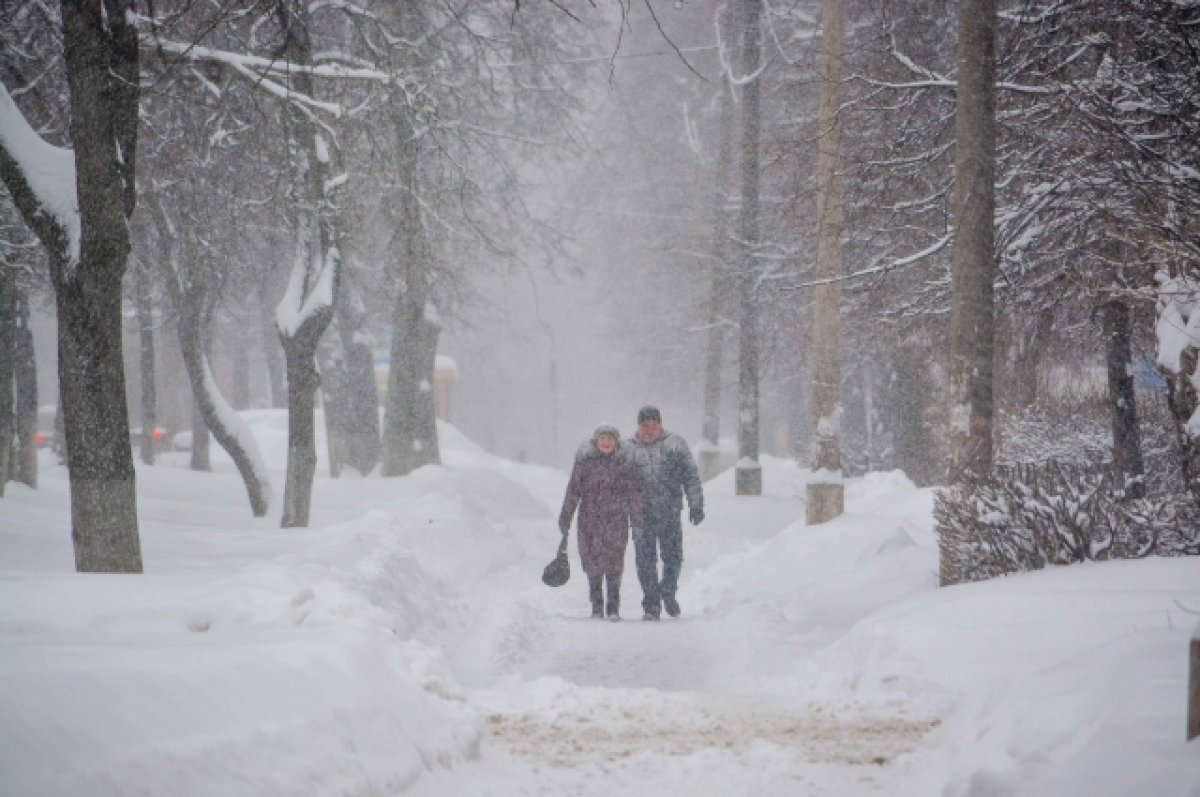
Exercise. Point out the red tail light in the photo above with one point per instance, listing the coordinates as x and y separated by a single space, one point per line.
40 438
158 433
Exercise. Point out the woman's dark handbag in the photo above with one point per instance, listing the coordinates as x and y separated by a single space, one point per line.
559 570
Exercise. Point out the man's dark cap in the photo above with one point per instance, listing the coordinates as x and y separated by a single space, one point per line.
649 413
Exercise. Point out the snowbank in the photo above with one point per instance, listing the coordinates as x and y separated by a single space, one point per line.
404 644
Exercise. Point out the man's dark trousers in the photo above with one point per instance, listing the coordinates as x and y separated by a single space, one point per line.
662 532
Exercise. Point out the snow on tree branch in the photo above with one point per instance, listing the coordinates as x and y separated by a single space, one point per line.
41 179
1178 329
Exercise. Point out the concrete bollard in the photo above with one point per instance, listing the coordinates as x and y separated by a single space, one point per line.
1193 729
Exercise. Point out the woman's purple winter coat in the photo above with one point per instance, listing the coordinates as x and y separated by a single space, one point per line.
605 488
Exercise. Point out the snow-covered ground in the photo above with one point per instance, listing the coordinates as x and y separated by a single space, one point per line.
404 644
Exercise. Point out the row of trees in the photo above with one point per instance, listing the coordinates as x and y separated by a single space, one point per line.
983 201
898 234
379 145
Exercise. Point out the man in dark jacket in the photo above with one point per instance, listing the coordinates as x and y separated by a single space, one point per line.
666 471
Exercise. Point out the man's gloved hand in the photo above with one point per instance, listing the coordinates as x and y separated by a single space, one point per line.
564 530
696 515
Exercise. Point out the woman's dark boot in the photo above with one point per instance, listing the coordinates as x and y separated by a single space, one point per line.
614 596
596 593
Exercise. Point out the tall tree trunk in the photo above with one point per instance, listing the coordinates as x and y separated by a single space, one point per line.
187 291
272 353
101 55
348 383
8 324
1028 356
410 423
241 378
409 437
974 272
101 51
25 465
748 473
1127 441
1183 400
145 318
825 493
308 304
1178 332
710 446
195 321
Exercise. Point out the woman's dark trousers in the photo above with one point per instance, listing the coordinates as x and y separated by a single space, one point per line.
596 592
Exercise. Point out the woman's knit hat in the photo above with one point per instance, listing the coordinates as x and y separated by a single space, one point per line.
609 430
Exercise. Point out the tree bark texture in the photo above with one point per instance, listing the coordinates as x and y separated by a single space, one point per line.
101 52
303 381
974 264
410 420
410 424
348 382
1127 440
826 495
25 464
188 296
8 319
316 250
1029 348
101 56
1182 400
710 453
272 353
145 318
748 473
197 307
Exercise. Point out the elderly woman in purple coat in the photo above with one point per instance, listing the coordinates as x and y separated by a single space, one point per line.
604 487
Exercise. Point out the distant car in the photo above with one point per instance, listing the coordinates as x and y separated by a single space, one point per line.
44 436
158 435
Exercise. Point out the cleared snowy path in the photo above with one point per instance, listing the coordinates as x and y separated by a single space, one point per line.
581 706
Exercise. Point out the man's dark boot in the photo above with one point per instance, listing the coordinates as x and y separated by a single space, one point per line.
671 605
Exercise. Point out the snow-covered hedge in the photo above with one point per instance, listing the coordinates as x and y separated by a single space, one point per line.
1026 516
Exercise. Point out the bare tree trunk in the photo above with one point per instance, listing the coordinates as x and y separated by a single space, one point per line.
409 437
195 321
8 323
241 378
315 272
145 318
710 446
1029 348
101 50
273 354
187 291
351 397
972 320
1127 440
410 423
303 382
825 493
25 376
1182 400
748 473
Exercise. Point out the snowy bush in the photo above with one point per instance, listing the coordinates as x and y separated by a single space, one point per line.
1025 516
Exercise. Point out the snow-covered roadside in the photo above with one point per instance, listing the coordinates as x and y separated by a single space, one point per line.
405 645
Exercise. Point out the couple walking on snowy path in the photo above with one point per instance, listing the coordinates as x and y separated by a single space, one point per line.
636 484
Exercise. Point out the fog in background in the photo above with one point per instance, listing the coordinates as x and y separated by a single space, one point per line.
548 351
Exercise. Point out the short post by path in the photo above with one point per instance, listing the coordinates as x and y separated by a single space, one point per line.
1193 729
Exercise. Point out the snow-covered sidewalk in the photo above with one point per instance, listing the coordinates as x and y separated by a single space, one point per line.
405 644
